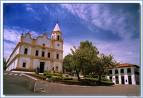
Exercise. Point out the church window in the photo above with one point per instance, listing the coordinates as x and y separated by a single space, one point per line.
25 51
128 70
43 53
58 37
57 56
58 45
37 52
43 45
116 71
48 54
24 64
122 70
110 71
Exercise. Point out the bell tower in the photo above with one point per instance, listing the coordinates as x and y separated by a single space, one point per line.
56 38
57 45
56 33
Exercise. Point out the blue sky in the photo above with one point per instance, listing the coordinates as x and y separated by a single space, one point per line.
113 28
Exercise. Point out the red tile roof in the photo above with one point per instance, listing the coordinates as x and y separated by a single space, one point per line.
126 65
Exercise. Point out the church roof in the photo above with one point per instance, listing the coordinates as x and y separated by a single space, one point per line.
56 28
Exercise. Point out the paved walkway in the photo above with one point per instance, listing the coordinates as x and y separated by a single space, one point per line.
18 84
62 89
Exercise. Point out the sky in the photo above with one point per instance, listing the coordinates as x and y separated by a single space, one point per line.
113 28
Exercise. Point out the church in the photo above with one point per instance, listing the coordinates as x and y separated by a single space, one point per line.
41 52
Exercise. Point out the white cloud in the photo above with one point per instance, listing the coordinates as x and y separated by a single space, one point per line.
8 48
12 37
102 16
67 47
123 52
126 51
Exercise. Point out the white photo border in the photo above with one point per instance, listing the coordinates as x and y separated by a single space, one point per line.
73 1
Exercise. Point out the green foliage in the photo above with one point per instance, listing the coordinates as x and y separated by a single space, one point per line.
67 78
56 78
102 64
50 74
80 59
86 60
67 63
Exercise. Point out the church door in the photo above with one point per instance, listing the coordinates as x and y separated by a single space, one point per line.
42 67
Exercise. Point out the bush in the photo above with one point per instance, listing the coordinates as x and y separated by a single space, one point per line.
56 78
49 74
71 82
107 83
91 79
88 81
57 74
46 73
67 78
105 79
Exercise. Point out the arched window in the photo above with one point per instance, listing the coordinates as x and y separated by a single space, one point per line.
48 54
43 45
25 51
24 64
58 37
43 53
37 52
57 56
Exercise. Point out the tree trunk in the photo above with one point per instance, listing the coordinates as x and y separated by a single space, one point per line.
77 73
99 80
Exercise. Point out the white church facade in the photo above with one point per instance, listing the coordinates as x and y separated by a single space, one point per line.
40 52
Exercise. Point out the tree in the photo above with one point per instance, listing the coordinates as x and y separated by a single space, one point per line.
80 58
67 63
102 64
4 64
85 53
86 60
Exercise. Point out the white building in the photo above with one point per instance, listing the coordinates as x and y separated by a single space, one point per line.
125 74
41 52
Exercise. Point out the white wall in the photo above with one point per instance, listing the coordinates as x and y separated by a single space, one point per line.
27 39
48 66
13 55
43 40
23 48
13 65
35 63
60 47
26 60
59 64
126 81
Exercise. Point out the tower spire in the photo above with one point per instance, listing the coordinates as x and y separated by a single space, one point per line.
57 28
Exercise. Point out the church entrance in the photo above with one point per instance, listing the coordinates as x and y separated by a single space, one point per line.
42 67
